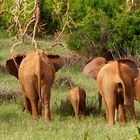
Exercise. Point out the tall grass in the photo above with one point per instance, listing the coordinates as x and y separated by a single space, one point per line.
18 125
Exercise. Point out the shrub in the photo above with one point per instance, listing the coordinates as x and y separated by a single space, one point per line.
100 34
90 35
125 33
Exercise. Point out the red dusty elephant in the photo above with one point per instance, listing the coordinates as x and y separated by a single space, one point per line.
91 69
35 71
77 98
115 83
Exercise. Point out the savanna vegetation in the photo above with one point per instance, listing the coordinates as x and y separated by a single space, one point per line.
107 28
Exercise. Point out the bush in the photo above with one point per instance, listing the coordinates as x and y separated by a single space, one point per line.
125 33
13 14
90 35
100 34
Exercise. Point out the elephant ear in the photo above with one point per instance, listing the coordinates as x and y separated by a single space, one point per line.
132 64
93 67
13 64
56 60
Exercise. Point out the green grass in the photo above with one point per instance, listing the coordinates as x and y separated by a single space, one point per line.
18 125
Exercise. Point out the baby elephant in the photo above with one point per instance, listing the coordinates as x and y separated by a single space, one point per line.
77 98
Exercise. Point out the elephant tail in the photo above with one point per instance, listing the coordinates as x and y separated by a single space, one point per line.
39 77
121 88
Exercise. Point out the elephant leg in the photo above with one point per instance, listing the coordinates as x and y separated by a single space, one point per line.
111 113
130 107
110 100
34 104
33 97
130 103
45 92
110 109
76 110
122 113
120 107
27 105
82 108
106 112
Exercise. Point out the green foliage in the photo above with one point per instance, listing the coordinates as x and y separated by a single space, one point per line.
87 36
93 27
125 33
107 27
15 15
47 17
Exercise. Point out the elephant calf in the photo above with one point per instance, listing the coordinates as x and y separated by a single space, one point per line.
77 97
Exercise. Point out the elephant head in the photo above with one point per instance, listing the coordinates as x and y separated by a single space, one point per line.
13 64
93 67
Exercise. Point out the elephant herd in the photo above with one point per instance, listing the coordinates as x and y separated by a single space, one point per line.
118 83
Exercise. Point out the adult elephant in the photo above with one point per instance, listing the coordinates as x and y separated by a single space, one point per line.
35 71
91 69
115 82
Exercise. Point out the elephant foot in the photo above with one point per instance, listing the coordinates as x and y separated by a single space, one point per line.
111 124
23 109
48 120
78 117
133 122
35 117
